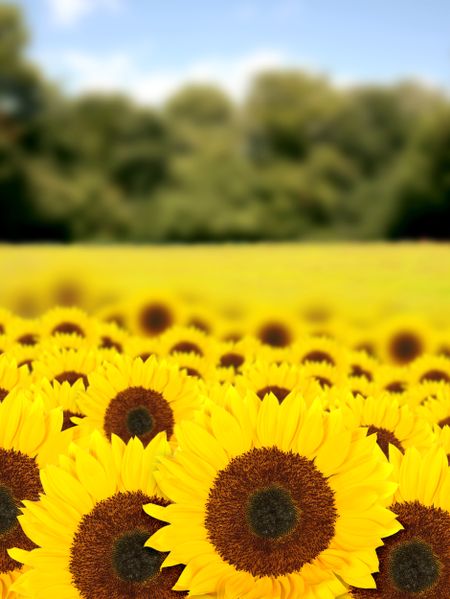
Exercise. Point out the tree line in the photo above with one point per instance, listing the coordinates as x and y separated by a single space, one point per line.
299 158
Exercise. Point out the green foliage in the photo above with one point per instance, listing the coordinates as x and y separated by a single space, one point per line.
298 159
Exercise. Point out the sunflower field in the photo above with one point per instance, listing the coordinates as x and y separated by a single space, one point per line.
264 422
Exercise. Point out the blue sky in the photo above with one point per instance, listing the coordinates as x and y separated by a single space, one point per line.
149 47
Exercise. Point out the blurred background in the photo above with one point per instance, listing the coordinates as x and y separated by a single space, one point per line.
144 121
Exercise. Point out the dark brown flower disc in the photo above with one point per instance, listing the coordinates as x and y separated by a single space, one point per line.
111 561
19 480
405 347
107 342
71 377
67 416
415 562
68 328
358 370
323 381
199 324
155 318
138 412
384 438
186 347
318 356
435 376
232 360
269 512
275 334
396 387
193 372
444 422
3 394
280 392
28 339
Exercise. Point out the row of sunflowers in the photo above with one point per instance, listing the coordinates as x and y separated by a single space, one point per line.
160 450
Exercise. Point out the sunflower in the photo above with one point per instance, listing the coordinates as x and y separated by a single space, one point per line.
134 398
281 380
24 355
111 337
275 330
195 366
67 365
67 321
142 347
25 331
394 424
187 340
430 369
152 314
393 379
319 349
267 500
415 562
326 375
236 355
63 395
403 340
12 376
361 365
436 410
28 440
115 313
93 506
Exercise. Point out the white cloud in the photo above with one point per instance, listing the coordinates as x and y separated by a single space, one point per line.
119 73
69 12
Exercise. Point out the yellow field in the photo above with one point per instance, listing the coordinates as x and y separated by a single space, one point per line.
413 277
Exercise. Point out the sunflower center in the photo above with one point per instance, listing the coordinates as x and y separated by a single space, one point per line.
155 319
269 489
444 422
275 334
19 480
271 513
435 376
358 370
8 510
405 347
280 392
318 356
413 567
384 438
186 347
108 557
72 377
139 421
138 412
108 343
67 419
68 328
396 387
3 394
132 560
232 360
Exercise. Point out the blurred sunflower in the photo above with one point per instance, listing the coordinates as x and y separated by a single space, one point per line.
403 340
393 424
93 504
111 337
361 365
25 331
436 410
152 314
262 509
68 365
67 321
134 398
60 395
430 369
274 330
187 340
319 349
393 379
280 380
415 562
28 440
